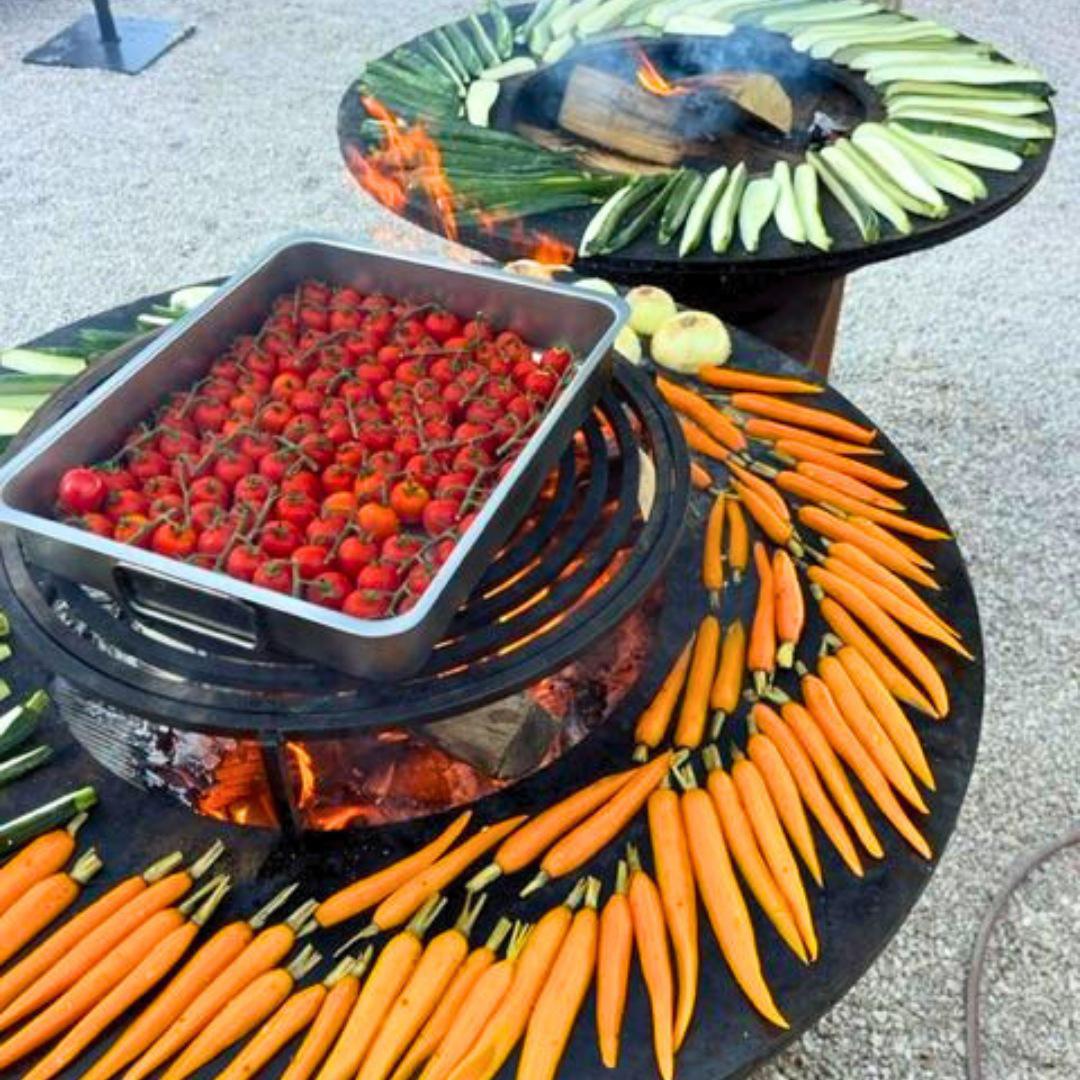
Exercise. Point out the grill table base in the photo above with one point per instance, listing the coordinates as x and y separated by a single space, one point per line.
139 43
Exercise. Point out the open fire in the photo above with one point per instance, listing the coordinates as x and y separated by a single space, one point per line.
648 75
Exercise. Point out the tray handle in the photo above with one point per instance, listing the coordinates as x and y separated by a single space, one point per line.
193 608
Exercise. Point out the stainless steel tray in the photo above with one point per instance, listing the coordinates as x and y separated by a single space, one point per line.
223 608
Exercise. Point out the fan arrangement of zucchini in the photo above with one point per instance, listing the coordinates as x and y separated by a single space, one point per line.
952 107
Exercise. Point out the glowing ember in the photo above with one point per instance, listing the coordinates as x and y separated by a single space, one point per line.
650 78
305 770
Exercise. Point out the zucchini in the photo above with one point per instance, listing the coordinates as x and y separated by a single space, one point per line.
464 48
701 211
754 12
786 212
679 204
558 48
38 362
868 57
18 831
945 175
897 168
503 29
809 206
608 16
658 14
990 73
421 65
954 90
604 220
19 723
567 20
1013 127
981 155
15 388
432 51
804 39
24 763
479 101
541 34
519 65
817 13
191 297
854 205
1023 106
485 47
755 208
629 232
824 45
958 128
722 226
537 14
853 173
441 39
694 26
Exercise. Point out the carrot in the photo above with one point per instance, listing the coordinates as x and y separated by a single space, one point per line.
773 499
702 442
408 898
711 419
841 529
600 828
559 1003
498 1037
722 897
761 650
849 485
738 540
140 980
758 804
700 477
887 631
653 723
784 792
712 559
809 416
69 968
759 428
850 632
832 773
651 942
476 1009
792 449
790 608
390 973
438 963
331 1017
43 903
873 529
28 970
675 876
615 951
865 727
815 491
690 729
188 1003
257 1001
368 891
831 723
727 686
438 1024
534 838
888 712
45 855
859 560
775 527
739 836
777 732
728 378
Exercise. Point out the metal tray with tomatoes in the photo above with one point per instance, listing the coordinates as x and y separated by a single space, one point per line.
323 457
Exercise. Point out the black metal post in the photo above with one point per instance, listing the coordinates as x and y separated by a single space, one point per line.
106 22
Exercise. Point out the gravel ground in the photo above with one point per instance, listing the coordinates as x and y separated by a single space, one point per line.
113 187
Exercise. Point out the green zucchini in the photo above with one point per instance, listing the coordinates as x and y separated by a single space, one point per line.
854 205
786 212
963 129
990 73
806 15
822 46
441 40
808 203
16 387
722 225
541 33
558 48
805 39
191 297
1013 127
958 90
421 65
979 154
753 12
437 57
39 362
13 420
503 29
464 48
701 211
19 723
20 830
537 14
853 173
604 220
945 175
693 26
896 168
608 16
519 65
485 47
479 101
567 20
1025 106
755 208
658 14
679 204
868 57
24 763
644 217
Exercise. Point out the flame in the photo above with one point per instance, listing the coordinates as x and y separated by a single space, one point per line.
551 251
305 771
650 78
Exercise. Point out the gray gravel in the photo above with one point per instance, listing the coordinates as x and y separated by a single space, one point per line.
967 355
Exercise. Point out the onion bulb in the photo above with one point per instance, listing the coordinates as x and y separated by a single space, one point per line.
650 307
689 340
628 344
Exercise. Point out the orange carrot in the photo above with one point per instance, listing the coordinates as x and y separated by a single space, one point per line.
729 378
712 559
873 529
599 829
738 540
790 608
758 428
827 715
784 792
722 897
43 903
832 773
859 560
529 842
865 727
888 712
869 474
651 941
851 633
809 416
841 481
258 1000
775 527
368 891
675 876
727 686
652 725
887 631
699 476
745 850
772 498
615 951
761 651
779 734
45 855
690 729
707 416
557 1007
702 442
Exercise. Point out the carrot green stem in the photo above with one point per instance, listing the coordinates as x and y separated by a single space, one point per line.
212 902
470 912
490 874
201 893
537 883
518 939
206 860
710 757
622 878
498 933
633 859
262 916
592 893
301 915
86 866
163 867
305 961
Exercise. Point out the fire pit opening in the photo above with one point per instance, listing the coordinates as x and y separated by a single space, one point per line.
630 104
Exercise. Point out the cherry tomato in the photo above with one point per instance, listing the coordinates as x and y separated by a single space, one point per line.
328 589
366 604
209 489
408 499
243 561
379 520
173 539
310 560
253 490
342 504
279 538
214 540
133 529
119 504
82 490
276 574
418 579
296 508
116 478
323 531
400 549
541 382
304 481
381 575
98 524
231 466
440 515
356 552
338 477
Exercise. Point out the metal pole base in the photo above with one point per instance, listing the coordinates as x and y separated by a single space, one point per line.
141 42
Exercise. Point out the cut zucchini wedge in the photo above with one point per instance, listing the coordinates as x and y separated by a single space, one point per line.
948 176
853 171
826 47
567 20
695 26
786 211
958 90
722 226
806 15
989 73
1023 106
679 204
854 205
480 100
558 48
33 362
867 58
809 206
698 218
755 209
519 65
607 214
981 155
897 168
871 29
608 16
1011 127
